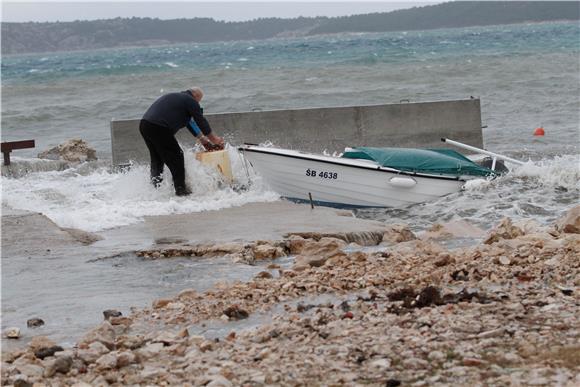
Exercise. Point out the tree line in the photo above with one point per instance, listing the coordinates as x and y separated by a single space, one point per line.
84 35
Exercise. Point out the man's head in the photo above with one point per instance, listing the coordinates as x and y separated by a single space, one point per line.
197 93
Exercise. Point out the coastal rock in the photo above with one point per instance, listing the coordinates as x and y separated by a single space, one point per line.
267 251
22 382
361 238
418 247
151 372
34 322
295 244
454 229
315 254
505 230
219 381
46 352
107 361
111 313
472 362
30 370
398 233
187 294
125 358
12 333
98 348
206 346
73 150
87 356
436 356
570 222
150 350
221 249
40 342
167 338
104 333
183 333
161 303
234 312
415 312
124 321
92 353
381 363
130 342
444 259
530 226
59 365
263 275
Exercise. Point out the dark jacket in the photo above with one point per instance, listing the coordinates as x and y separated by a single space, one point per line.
175 111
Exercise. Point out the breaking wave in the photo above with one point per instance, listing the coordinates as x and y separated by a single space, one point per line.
98 199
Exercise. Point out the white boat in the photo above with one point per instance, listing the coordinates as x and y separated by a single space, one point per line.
349 182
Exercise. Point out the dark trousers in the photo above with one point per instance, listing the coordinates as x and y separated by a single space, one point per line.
164 150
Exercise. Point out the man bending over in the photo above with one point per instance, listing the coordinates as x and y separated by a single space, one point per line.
162 121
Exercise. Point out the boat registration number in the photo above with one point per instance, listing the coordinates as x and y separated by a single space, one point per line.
321 174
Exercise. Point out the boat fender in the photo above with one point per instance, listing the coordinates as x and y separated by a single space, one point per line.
403 182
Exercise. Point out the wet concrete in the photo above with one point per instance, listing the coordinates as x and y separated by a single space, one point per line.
55 275
254 221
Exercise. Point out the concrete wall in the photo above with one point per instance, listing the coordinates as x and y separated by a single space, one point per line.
418 125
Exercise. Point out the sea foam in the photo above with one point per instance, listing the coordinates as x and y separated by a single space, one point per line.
102 199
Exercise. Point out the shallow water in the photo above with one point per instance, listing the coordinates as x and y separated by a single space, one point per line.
79 290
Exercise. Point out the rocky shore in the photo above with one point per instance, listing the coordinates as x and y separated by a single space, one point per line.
406 311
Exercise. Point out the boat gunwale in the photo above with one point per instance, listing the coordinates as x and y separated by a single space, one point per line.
252 148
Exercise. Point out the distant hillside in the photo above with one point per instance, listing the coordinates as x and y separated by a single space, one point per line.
86 35
454 14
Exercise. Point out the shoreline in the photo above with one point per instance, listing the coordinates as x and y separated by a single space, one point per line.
68 277
411 312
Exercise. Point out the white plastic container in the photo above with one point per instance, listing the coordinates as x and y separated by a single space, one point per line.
219 160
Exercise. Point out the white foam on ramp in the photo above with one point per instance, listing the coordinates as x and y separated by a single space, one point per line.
101 199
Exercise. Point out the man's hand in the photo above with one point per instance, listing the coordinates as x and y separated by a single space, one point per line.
216 140
209 145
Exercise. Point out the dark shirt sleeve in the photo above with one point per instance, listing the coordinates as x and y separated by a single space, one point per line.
196 112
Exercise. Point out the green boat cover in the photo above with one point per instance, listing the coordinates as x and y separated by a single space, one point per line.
432 161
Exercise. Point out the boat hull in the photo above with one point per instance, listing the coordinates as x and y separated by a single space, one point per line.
342 182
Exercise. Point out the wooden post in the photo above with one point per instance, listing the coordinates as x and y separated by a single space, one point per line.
9 146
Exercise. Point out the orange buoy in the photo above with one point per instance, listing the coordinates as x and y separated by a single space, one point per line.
539 132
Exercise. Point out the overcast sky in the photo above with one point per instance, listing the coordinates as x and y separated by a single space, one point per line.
232 10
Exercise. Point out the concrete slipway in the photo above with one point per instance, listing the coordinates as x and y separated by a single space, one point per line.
59 276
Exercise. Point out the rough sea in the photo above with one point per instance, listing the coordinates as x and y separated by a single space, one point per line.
526 75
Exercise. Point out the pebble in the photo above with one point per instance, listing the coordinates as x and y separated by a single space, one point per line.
22 383
436 356
125 358
31 370
12 333
107 361
472 362
161 303
111 313
219 381
264 275
492 333
34 322
381 363
59 365
46 352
